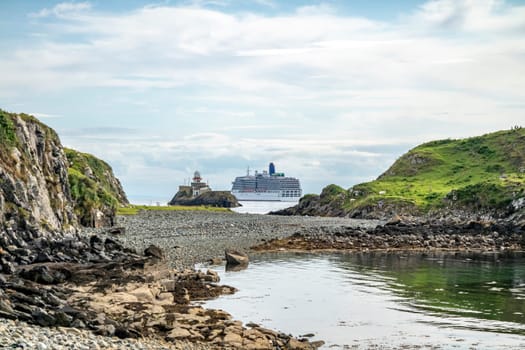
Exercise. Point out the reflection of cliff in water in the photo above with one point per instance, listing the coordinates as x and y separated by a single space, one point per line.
481 285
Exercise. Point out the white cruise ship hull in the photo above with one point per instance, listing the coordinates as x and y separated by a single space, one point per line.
263 196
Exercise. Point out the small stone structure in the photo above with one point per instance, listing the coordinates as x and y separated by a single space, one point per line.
196 187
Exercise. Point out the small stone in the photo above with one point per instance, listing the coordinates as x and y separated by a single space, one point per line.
154 252
178 333
41 346
43 318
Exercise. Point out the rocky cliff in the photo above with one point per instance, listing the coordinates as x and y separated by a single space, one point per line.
34 188
40 194
478 177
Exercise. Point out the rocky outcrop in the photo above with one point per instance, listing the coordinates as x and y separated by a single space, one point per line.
328 203
235 257
473 178
35 196
38 202
222 199
35 292
400 234
95 190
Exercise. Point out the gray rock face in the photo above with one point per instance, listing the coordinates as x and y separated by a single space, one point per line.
37 197
34 189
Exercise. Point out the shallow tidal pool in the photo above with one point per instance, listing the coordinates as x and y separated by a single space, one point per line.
384 300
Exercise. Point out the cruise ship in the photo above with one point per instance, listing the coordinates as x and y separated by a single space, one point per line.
267 186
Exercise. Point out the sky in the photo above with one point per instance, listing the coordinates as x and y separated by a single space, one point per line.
330 91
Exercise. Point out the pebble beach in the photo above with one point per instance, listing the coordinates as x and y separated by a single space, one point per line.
191 237
188 238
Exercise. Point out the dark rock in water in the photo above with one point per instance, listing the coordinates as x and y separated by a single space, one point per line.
235 257
154 252
235 268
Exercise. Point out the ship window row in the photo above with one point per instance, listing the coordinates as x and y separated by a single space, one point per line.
290 193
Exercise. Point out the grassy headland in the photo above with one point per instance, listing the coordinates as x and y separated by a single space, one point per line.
485 173
93 186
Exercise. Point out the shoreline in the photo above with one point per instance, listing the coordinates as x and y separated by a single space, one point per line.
154 299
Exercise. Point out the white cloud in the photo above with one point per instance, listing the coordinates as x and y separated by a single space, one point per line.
267 3
63 9
472 15
308 88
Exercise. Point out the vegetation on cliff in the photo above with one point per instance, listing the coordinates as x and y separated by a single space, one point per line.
484 174
42 189
34 192
94 188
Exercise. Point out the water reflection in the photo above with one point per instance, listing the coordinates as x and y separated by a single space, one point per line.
488 286
388 300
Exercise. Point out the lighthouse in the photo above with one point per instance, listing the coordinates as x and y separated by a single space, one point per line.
197 186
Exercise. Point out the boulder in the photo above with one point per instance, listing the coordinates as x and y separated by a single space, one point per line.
223 199
39 274
154 252
42 318
235 257
117 230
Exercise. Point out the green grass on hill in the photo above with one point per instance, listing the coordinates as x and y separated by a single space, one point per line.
485 172
134 209
92 186
7 130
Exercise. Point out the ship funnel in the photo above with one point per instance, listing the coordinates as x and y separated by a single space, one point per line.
271 169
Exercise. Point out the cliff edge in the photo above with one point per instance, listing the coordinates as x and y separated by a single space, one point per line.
46 189
95 190
34 188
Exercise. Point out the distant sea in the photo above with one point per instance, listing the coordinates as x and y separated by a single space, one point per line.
248 207
262 207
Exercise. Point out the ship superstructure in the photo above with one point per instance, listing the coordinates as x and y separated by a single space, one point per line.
267 186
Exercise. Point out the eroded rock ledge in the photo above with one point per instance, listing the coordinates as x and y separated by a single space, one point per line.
397 235
113 291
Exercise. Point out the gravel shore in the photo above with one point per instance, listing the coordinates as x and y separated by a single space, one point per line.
188 237
191 237
20 335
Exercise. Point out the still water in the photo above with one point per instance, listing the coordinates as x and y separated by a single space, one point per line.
261 207
385 300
